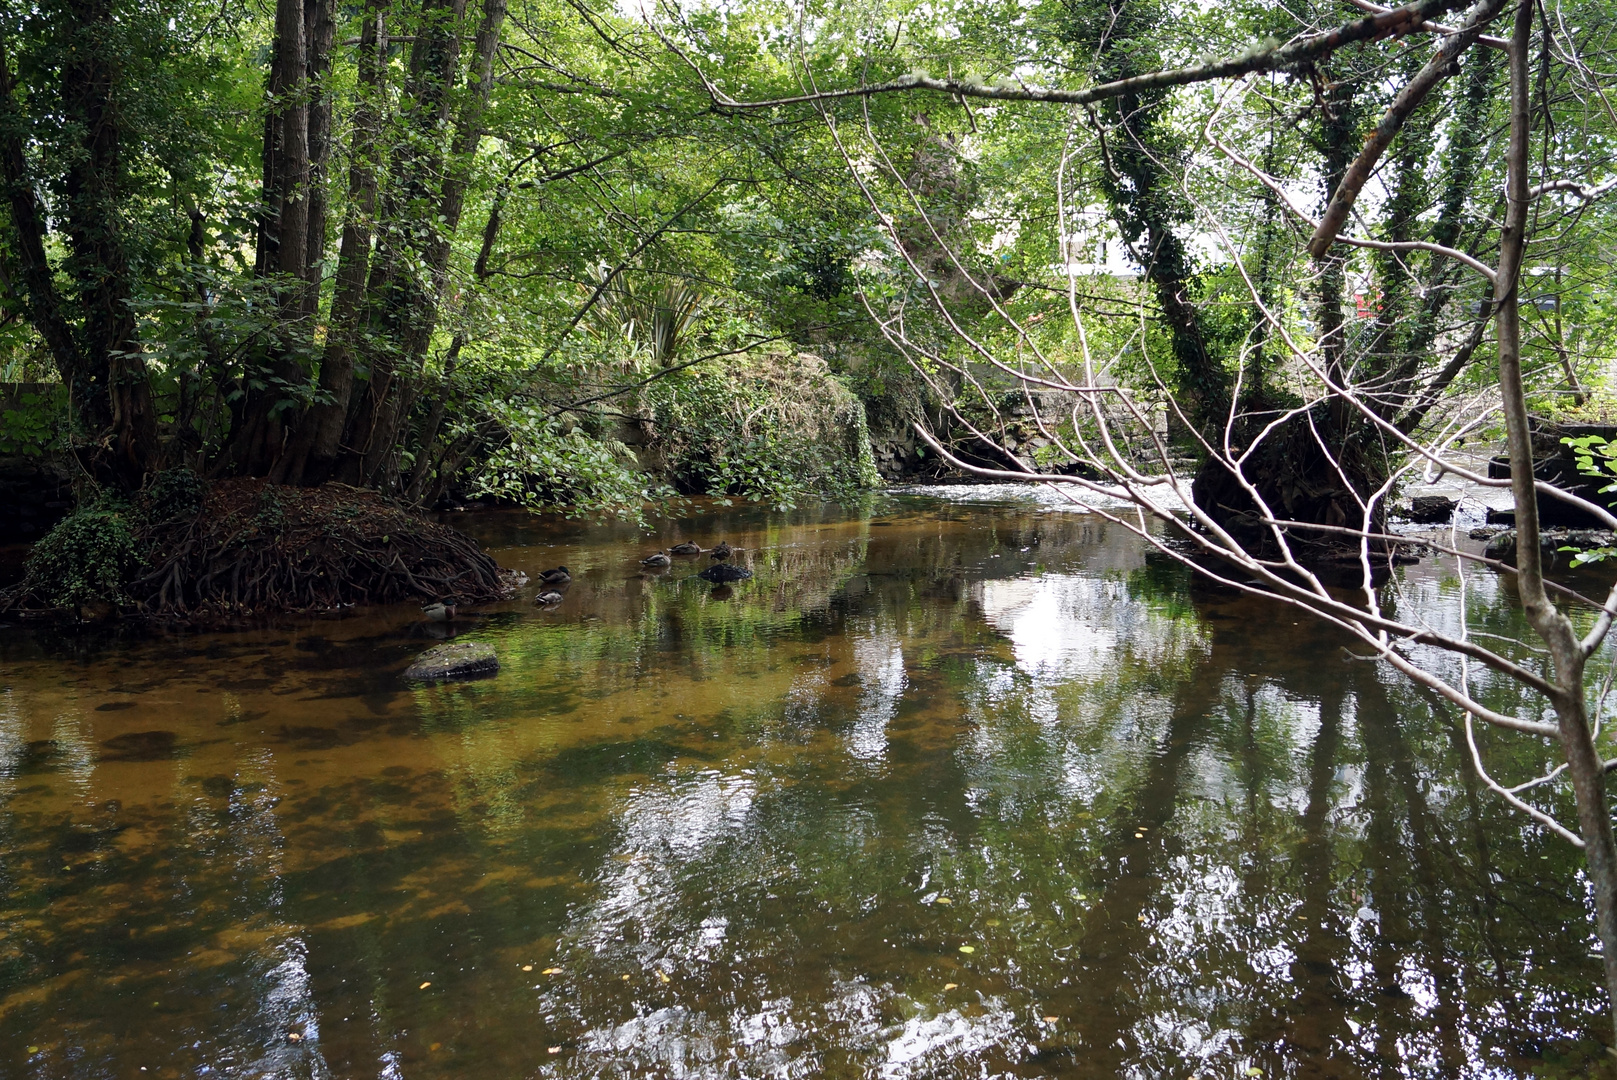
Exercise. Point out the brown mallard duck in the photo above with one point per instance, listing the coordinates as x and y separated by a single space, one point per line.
440 610
659 559
686 548
720 551
558 576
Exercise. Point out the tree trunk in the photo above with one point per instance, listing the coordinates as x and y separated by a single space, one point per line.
425 462
316 446
283 239
31 269
407 302
97 262
1584 764
320 24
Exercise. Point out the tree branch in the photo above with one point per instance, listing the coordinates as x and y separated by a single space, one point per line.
1409 98
1293 54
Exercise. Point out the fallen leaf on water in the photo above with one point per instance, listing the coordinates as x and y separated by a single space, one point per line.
1254 1071
434 1046
527 967
551 971
293 1036
1141 916
968 949
555 1049
943 900
663 975
33 1049
950 986
423 986
626 978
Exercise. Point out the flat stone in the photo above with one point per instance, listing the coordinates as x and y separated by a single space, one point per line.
454 661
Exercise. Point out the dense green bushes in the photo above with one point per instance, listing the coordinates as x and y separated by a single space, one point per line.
775 427
87 559
770 427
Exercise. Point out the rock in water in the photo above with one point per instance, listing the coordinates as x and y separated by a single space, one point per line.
1502 546
454 661
719 573
1431 509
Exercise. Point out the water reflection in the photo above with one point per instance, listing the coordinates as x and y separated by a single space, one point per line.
944 790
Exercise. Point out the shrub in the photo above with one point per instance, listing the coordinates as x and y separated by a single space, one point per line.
172 493
87 558
774 427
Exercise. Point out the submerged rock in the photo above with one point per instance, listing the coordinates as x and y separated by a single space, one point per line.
454 661
1558 545
720 573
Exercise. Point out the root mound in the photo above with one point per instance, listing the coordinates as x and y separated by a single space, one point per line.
189 549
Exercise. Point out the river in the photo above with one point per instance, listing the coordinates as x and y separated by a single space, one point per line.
948 789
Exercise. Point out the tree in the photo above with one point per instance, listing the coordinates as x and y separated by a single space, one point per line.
1303 428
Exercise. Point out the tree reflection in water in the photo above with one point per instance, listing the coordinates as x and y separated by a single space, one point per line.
1180 833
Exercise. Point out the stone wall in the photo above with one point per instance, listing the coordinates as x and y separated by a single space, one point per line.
36 490
35 493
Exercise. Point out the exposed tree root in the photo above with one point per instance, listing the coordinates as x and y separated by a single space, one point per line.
254 548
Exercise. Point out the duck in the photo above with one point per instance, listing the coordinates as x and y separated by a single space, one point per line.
548 598
686 548
721 550
723 573
558 576
659 559
440 610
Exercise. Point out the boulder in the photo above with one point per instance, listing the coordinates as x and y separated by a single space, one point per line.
1431 509
453 662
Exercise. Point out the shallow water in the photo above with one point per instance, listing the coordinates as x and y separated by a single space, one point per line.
947 789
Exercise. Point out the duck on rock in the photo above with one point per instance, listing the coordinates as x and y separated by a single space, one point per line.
686 548
657 560
721 550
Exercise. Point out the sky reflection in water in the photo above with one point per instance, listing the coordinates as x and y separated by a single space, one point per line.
945 790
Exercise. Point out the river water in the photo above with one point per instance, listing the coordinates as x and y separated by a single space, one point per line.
948 789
